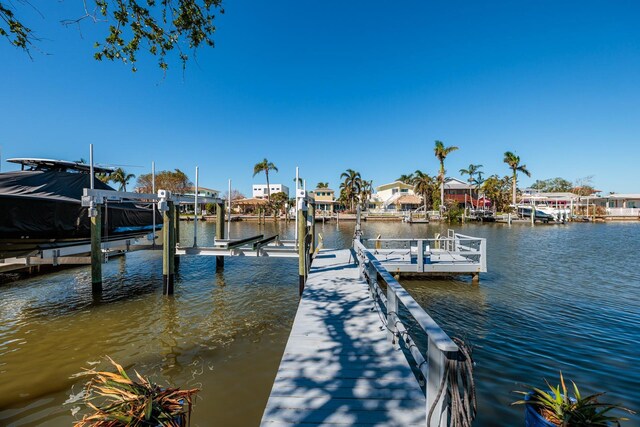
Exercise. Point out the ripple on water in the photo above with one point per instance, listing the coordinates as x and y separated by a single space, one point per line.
558 297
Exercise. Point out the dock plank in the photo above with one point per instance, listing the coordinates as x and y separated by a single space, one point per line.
338 367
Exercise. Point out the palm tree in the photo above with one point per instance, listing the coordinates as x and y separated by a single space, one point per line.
365 192
265 166
119 176
441 153
351 185
422 184
471 171
407 179
322 185
514 163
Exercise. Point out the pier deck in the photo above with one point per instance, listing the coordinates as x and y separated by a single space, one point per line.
338 367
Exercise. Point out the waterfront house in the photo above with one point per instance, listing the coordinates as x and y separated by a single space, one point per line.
325 200
458 191
202 192
389 197
260 190
248 206
620 205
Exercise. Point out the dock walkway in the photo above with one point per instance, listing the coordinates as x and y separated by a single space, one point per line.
338 367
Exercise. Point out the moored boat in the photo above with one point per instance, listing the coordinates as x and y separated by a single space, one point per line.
40 208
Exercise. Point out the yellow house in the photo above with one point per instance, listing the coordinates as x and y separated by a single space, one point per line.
325 199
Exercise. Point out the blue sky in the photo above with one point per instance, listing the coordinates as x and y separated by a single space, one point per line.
334 85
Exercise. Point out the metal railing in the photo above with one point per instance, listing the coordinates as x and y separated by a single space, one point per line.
633 212
440 348
453 253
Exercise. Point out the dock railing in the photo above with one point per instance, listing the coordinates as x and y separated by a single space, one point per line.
455 253
440 348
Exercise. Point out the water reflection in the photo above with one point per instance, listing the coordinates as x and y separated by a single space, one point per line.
556 297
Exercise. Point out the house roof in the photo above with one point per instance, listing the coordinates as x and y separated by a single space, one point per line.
393 185
408 199
456 184
249 202
322 189
623 196
202 189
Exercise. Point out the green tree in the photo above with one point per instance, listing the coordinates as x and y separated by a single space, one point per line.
265 166
175 181
158 27
407 179
322 185
351 184
423 185
552 185
441 153
514 163
277 202
472 170
366 190
121 177
498 190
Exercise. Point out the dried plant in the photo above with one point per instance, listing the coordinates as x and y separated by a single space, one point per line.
116 400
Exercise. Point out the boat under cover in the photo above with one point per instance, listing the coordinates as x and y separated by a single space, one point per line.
41 209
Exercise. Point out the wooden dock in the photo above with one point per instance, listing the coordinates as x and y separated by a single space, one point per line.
338 367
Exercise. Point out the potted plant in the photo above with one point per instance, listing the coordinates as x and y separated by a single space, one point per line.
115 400
557 408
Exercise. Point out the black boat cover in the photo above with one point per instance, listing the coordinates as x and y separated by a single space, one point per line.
47 205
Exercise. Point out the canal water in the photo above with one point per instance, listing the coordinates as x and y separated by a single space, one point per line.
555 298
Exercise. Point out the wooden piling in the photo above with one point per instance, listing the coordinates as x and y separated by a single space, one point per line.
302 245
168 249
96 251
312 215
219 233
475 278
176 224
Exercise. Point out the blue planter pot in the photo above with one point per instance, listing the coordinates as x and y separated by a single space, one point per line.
532 418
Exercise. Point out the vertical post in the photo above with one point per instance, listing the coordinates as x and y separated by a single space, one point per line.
392 317
296 228
195 212
153 204
312 215
420 254
219 233
168 249
436 362
96 250
229 213
176 227
302 237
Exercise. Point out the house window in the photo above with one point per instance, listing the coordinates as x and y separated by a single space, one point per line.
404 190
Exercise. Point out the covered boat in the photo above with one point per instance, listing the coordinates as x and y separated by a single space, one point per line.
40 208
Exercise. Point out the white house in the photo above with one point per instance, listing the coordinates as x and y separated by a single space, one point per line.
394 196
260 190
202 192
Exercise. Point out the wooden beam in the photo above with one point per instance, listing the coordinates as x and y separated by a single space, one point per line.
96 251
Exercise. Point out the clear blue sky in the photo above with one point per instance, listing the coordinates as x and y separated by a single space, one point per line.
352 84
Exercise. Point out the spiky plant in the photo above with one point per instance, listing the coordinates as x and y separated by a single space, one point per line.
561 409
116 400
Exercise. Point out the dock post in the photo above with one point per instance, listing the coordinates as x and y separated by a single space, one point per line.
176 224
302 245
96 250
475 278
312 214
168 239
436 362
392 317
219 233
